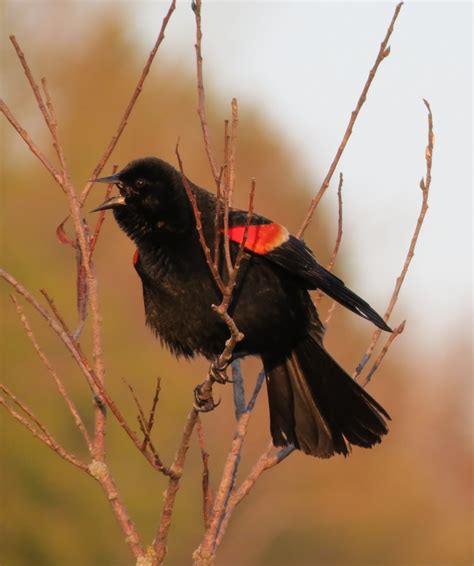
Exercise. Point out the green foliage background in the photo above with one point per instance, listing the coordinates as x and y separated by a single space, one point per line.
407 502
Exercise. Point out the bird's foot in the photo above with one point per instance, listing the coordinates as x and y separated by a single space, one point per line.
218 372
203 399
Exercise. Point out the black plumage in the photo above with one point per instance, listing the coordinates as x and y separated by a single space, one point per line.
314 404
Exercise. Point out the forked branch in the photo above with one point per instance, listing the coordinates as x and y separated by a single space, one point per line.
425 185
384 51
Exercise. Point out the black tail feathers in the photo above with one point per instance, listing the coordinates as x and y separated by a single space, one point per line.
318 407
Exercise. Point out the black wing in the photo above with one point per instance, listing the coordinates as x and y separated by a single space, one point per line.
273 242
297 258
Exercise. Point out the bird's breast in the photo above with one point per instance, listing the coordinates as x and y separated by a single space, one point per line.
179 292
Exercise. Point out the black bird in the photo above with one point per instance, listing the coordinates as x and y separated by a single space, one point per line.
314 404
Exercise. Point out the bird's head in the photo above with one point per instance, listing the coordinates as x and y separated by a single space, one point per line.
151 198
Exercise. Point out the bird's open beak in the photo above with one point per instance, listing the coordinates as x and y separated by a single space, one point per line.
113 202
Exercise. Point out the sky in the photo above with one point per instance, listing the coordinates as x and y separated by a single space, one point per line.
303 65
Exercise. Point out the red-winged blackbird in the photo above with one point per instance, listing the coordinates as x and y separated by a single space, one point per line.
314 403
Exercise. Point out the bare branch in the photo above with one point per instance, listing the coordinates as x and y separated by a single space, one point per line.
207 495
384 51
57 380
218 219
48 118
197 216
58 328
209 542
204 390
30 143
265 462
84 247
335 251
229 180
126 115
145 426
101 218
100 471
397 331
233 149
240 254
151 418
37 429
53 127
196 6
161 537
83 364
425 185
329 315
238 389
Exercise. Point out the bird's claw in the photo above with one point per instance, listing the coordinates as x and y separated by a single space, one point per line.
203 399
204 403
218 373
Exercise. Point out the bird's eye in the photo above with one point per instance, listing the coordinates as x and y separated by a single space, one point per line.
139 183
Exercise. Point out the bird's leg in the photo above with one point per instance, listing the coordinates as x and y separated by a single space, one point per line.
204 401
217 371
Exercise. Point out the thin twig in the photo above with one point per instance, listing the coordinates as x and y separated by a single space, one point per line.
240 254
57 380
329 315
83 364
57 327
53 127
223 360
57 314
145 426
196 7
101 218
208 546
100 471
151 418
384 51
207 495
141 414
197 216
235 470
229 180
84 249
335 251
238 389
30 143
265 462
425 184
38 430
160 541
82 271
218 219
233 150
397 331
48 118
226 156
126 115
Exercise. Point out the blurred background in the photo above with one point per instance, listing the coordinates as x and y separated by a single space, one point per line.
297 70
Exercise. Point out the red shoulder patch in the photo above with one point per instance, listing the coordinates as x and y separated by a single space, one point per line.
261 238
135 257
